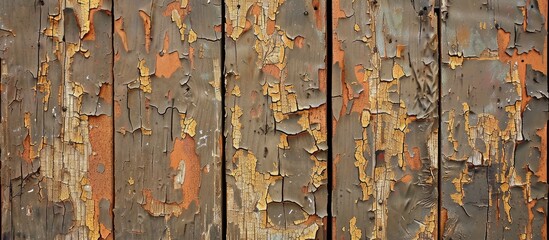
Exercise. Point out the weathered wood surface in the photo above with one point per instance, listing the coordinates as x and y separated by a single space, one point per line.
494 120
385 125
56 119
167 103
178 119
276 129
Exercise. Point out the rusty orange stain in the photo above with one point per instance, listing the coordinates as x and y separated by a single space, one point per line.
119 28
176 5
463 34
147 25
318 115
542 4
191 56
105 92
255 9
319 18
184 150
228 28
101 140
407 178
322 76
270 26
272 70
26 150
117 109
443 219
217 28
90 35
362 101
415 161
168 63
299 41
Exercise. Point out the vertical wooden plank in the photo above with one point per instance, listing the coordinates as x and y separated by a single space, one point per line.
57 104
275 100
18 63
167 119
494 120
385 120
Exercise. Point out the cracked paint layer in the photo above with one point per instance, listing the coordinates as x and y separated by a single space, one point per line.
276 127
56 120
385 121
494 120
167 119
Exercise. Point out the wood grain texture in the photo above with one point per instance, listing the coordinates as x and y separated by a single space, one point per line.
385 121
167 119
56 119
494 120
275 100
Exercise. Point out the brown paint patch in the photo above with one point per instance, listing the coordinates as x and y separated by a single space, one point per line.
542 169
147 25
101 140
415 161
167 63
184 150
119 28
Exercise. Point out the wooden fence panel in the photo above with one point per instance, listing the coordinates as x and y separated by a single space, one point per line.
276 131
167 119
385 124
494 120
193 119
56 119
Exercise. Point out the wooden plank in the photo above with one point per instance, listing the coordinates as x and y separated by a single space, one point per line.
276 128
385 120
494 120
18 72
167 119
57 125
